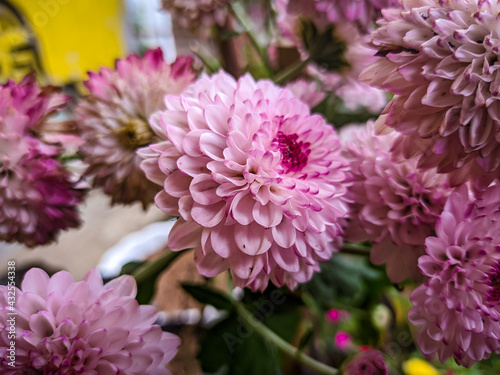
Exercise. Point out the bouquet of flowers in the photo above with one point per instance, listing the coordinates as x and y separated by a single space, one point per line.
332 167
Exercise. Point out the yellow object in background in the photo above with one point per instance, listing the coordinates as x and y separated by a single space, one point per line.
62 39
417 366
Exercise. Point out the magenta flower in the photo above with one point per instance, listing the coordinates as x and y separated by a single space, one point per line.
67 327
395 204
37 196
257 180
335 315
114 121
457 310
332 315
441 64
366 362
342 340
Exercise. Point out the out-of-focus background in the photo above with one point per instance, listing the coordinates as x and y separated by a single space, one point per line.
62 40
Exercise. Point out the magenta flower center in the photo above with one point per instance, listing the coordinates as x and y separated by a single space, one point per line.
494 293
293 154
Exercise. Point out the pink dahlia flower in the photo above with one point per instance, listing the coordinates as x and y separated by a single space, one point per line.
441 64
457 310
257 180
355 55
366 362
395 204
193 14
364 12
37 196
113 120
67 327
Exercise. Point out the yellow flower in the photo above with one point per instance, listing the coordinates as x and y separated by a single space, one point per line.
417 366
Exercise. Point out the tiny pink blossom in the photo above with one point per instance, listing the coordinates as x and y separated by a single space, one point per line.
37 195
257 180
113 121
333 315
343 340
66 327
457 310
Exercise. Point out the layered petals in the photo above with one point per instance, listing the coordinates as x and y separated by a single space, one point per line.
68 327
261 178
113 120
457 310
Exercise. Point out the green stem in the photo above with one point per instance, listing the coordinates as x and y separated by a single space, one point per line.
290 73
244 19
281 344
355 249
153 268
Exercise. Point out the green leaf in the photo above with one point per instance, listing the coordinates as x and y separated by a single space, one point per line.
207 295
232 345
147 273
335 112
348 280
324 47
130 268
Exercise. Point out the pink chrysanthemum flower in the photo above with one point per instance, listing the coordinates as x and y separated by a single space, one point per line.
441 64
354 55
395 204
257 180
67 327
364 12
193 14
113 120
37 196
458 309
366 362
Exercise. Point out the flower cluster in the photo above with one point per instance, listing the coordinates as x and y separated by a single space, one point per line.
113 120
37 195
67 327
395 204
441 62
257 180
457 310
